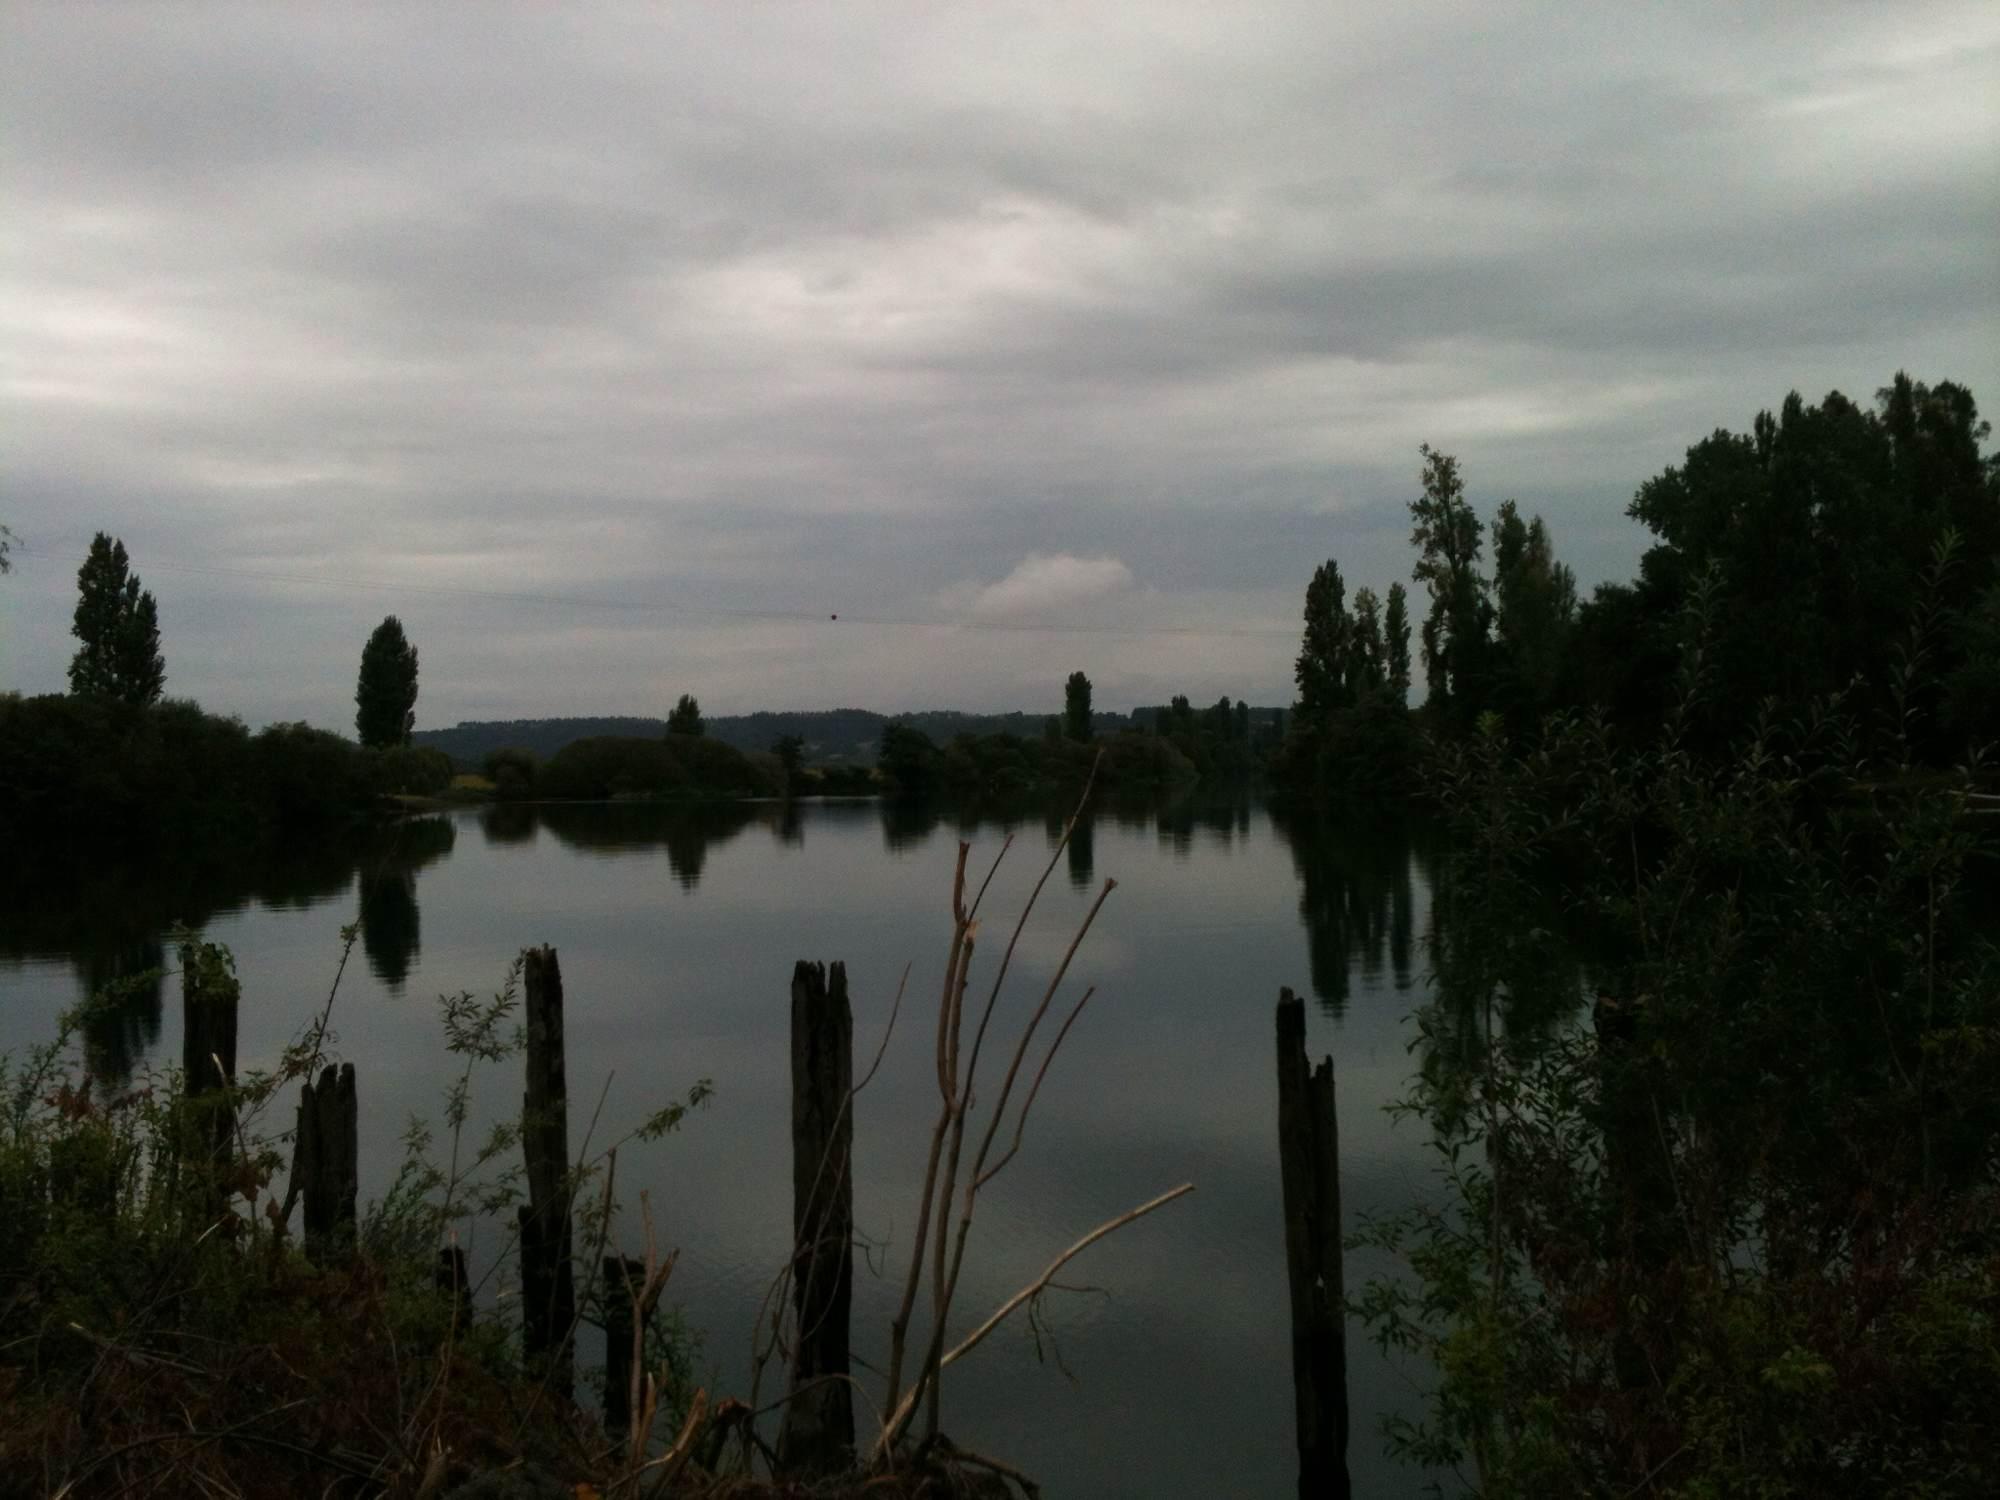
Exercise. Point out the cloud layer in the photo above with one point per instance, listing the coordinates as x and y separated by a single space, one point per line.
616 351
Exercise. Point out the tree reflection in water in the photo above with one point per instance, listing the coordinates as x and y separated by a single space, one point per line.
1356 896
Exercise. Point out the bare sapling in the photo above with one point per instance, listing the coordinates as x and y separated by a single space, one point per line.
957 1094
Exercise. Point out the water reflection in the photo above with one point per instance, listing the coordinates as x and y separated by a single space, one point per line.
907 822
391 925
107 913
1082 851
508 823
1356 897
685 833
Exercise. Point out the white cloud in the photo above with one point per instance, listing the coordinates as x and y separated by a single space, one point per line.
1041 583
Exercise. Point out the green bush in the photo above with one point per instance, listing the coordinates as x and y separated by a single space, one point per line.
410 770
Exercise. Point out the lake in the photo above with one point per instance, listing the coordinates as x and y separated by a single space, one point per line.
677 931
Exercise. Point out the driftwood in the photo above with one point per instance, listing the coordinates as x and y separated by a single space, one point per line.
1309 1162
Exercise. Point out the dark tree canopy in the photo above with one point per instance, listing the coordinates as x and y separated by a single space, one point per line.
119 626
686 717
1076 707
385 695
1815 535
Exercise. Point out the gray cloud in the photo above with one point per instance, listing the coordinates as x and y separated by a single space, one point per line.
616 350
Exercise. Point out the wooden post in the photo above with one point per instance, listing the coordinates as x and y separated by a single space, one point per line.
325 1171
818 1432
208 1065
624 1280
548 1287
452 1279
1309 1161
1640 1176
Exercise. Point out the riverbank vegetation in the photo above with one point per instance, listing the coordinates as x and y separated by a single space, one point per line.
1807 538
1739 1233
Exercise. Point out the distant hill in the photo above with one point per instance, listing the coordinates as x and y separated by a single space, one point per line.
832 736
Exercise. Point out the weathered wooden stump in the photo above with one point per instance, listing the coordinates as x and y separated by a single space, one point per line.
325 1170
1309 1160
624 1283
452 1279
208 1066
818 1432
548 1286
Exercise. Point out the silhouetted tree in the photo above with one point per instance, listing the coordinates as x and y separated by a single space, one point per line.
385 694
1537 603
1364 671
1396 643
686 717
1446 535
119 626
791 753
1076 707
1321 667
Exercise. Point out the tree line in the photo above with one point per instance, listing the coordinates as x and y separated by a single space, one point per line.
1832 551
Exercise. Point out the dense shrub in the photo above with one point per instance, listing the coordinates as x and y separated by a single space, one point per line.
513 772
82 768
673 766
410 770
999 764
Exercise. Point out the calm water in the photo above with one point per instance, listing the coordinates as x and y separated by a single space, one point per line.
677 933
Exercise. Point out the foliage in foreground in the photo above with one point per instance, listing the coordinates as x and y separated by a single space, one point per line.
162 1333
1740 1233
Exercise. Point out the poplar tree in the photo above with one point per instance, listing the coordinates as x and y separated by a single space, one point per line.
1076 707
119 626
385 696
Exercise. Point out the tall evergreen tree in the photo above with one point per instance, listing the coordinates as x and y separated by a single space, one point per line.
1076 707
385 694
686 718
119 626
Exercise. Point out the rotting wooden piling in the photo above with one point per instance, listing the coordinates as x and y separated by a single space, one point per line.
548 1286
818 1432
209 994
624 1282
1309 1162
325 1167
452 1278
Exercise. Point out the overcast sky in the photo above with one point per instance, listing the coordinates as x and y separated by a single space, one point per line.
617 350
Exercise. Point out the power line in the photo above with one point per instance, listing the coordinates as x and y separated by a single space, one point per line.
679 607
